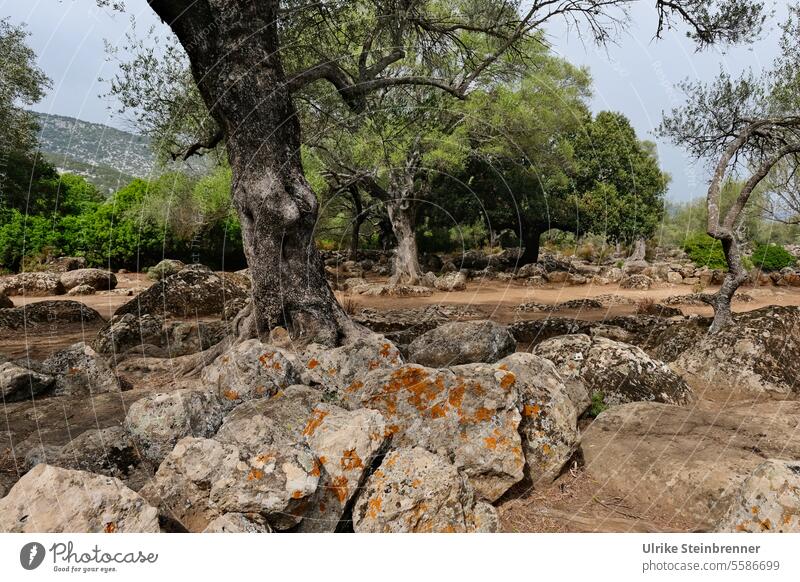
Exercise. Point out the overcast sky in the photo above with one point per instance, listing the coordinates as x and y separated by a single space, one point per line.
636 76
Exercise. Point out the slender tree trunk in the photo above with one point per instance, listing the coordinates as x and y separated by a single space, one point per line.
358 220
235 56
406 260
736 275
531 238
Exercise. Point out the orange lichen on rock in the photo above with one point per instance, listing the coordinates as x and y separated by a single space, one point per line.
456 395
355 385
491 443
530 410
339 487
437 411
350 460
312 363
255 474
374 506
297 494
385 350
509 379
110 527
265 357
317 416
231 394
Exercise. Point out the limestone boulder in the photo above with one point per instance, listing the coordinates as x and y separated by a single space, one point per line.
415 490
462 342
158 421
336 369
345 444
758 353
18 383
49 499
190 293
768 501
617 371
203 479
81 371
252 369
468 413
36 284
97 278
124 332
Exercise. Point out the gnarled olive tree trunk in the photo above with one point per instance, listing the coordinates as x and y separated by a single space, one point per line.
406 269
233 49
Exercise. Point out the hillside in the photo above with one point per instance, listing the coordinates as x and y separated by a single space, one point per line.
105 156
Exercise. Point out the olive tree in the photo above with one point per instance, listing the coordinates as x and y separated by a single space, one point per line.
746 128
250 59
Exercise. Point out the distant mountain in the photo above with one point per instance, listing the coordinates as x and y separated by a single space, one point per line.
105 156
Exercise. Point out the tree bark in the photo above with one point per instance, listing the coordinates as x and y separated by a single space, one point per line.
358 220
736 275
406 270
531 238
639 250
235 57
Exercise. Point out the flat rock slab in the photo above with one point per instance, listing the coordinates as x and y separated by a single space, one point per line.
690 461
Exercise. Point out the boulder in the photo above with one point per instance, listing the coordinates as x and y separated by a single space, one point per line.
50 312
345 444
81 371
97 278
280 420
107 451
549 407
462 342
81 290
18 383
687 461
5 302
164 269
336 369
674 278
238 523
619 372
202 479
188 293
758 352
415 490
64 264
642 282
455 281
158 421
189 337
767 501
468 414
123 332
37 284
251 369
353 283
54 500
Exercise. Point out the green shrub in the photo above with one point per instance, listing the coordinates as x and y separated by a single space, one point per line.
598 404
705 251
772 257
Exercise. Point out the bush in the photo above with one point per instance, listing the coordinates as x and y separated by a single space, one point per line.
705 251
772 257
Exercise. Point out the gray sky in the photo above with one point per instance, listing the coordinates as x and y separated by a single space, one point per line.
636 76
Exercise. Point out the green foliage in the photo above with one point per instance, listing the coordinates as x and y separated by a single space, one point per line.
772 257
598 404
705 251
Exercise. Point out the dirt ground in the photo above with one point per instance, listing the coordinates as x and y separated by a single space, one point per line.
574 503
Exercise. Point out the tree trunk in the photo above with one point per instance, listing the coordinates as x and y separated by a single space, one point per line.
531 237
240 75
406 260
639 250
736 275
358 220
